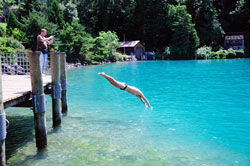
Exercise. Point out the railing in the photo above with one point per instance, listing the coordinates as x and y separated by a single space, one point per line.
18 63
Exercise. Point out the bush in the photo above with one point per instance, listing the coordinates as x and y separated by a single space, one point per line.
17 34
166 53
2 31
12 21
225 54
7 50
203 52
222 54
231 54
120 57
214 55
9 42
10 45
158 56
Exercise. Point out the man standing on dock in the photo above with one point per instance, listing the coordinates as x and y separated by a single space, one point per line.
42 46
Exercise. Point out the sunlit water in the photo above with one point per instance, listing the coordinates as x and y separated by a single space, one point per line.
200 117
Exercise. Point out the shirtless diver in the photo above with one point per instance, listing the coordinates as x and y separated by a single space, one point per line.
130 89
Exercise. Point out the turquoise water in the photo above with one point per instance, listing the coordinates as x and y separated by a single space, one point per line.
200 117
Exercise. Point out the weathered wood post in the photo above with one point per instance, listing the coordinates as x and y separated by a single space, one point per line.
2 126
38 99
63 82
56 88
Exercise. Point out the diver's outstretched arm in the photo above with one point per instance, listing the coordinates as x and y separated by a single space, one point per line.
142 100
146 101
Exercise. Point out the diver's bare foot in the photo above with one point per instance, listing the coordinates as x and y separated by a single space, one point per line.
101 74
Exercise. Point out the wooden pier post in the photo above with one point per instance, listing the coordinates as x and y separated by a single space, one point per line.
38 99
63 82
56 88
2 126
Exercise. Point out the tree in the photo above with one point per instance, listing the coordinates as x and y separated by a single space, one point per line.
56 13
27 6
74 38
70 12
12 21
111 44
184 39
208 27
32 25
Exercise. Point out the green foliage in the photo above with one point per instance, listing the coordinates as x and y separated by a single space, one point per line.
208 27
231 54
70 12
105 46
226 54
184 38
12 21
32 25
203 52
6 3
214 55
9 45
167 53
157 23
17 34
73 38
111 43
2 30
28 6
56 13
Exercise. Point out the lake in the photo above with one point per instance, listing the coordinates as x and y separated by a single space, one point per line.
200 117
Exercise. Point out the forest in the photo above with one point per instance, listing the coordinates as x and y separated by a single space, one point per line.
89 30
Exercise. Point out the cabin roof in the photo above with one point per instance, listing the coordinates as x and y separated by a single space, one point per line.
234 37
129 43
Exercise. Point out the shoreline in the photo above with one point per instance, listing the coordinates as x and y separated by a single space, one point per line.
79 65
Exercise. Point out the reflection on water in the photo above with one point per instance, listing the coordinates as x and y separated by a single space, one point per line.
200 117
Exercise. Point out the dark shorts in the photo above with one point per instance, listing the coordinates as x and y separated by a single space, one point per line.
124 87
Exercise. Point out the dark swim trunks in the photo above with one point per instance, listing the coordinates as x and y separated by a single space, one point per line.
124 87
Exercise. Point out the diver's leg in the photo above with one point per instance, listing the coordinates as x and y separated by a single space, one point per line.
112 80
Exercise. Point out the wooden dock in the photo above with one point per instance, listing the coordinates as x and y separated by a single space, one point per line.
29 91
17 88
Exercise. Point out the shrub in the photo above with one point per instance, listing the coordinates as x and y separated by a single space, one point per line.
231 54
9 42
214 55
203 53
2 31
17 34
12 21
120 57
225 54
7 50
158 56
10 45
166 53
222 54
239 53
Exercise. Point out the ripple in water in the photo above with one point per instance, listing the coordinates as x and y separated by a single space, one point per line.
200 117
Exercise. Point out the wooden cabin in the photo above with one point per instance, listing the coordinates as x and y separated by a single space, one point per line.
133 48
234 40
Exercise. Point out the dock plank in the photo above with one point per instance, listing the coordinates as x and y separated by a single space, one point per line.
17 86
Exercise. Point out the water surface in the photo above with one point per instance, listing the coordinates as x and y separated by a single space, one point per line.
200 117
